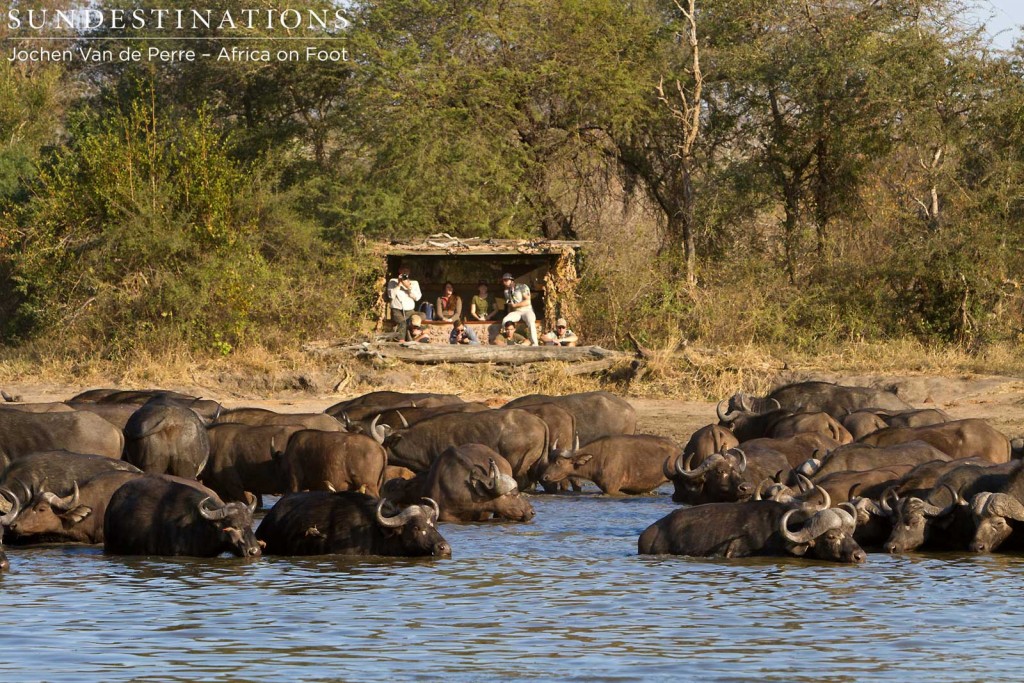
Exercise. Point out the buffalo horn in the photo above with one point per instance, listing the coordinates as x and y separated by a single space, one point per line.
979 504
932 510
1005 505
761 487
66 503
15 506
377 432
778 406
405 423
26 489
887 507
804 483
492 475
741 459
212 514
723 413
576 443
392 522
799 538
554 446
683 469
436 509
250 502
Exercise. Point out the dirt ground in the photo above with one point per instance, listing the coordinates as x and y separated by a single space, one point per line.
999 400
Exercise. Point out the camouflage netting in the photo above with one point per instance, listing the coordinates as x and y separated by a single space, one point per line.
560 287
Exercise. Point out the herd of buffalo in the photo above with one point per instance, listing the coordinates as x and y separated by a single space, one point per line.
813 469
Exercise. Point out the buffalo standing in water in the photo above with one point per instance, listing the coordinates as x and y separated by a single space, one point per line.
162 515
161 438
350 523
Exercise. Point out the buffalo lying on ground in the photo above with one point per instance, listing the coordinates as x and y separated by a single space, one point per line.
470 483
863 422
812 397
617 464
350 523
258 417
753 528
863 457
164 515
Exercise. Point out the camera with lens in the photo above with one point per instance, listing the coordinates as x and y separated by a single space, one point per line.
403 276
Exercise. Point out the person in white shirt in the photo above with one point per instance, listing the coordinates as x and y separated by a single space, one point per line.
561 335
519 306
403 292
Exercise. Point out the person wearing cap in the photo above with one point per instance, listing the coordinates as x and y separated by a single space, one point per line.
509 336
417 332
561 335
461 334
403 292
519 306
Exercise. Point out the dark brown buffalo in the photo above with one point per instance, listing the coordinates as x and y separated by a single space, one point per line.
339 461
813 397
6 519
518 436
242 458
747 425
724 477
163 515
598 413
76 431
753 528
367 405
940 519
166 439
56 471
617 464
923 478
863 422
261 417
957 439
860 457
76 517
350 523
470 483
997 517
707 440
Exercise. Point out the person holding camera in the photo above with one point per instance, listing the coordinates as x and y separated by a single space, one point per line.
403 292
461 334
519 305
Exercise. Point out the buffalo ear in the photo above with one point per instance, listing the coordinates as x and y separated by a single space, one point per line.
78 514
579 460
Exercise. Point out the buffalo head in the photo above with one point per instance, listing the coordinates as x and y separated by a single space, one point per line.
912 519
50 513
826 535
415 525
719 478
992 512
234 525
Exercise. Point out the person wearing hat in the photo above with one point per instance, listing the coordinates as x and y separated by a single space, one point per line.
561 335
509 336
403 292
417 332
519 306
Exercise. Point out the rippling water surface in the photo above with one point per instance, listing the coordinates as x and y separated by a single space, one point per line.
563 597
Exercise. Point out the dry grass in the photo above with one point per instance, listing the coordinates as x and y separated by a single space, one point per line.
674 370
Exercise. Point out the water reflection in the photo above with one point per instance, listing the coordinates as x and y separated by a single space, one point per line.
563 597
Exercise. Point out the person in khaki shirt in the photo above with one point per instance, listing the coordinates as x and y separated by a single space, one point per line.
509 336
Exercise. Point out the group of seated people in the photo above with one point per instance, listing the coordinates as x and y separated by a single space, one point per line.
463 334
515 307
